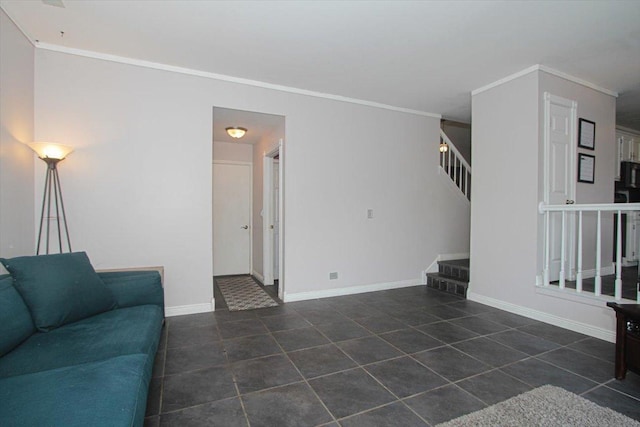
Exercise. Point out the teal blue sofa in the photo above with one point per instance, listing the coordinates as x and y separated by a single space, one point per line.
77 347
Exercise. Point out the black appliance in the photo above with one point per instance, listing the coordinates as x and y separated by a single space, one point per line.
630 174
620 198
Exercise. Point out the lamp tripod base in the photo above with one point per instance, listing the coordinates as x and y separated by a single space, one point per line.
52 199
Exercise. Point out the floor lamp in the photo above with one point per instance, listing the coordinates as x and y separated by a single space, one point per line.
52 154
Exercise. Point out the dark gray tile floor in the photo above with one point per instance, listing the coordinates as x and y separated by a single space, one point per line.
410 357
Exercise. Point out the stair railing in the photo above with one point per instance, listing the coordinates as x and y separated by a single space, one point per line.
565 217
454 165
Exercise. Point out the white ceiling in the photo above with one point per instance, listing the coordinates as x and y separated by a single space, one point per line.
420 55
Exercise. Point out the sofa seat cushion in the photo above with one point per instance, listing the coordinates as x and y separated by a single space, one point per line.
16 324
113 333
106 393
59 288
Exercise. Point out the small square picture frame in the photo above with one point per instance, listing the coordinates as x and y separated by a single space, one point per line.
586 168
586 134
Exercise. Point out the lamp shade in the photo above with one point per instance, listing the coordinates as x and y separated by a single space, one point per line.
51 150
236 132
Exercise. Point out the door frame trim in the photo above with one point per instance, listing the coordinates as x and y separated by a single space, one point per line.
267 213
237 163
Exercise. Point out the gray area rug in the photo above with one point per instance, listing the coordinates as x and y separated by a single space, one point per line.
242 293
546 406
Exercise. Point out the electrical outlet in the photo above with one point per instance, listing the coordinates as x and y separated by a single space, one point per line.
369 213
333 276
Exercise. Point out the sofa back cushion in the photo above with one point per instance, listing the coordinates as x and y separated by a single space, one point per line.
16 324
60 288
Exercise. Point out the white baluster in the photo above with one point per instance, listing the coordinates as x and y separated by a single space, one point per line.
562 250
545 272
455 170
579 272
618 282
466 182
598 280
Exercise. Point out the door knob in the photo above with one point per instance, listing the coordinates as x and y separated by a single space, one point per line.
569 202
245 227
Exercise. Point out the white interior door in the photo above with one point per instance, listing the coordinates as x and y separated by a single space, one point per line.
231 219
560 178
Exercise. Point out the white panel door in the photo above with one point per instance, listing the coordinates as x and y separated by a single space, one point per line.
560 158
231 219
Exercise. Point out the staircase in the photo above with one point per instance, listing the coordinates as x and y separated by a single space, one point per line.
454 165
452 277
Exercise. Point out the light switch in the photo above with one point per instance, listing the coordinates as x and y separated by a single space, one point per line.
369 213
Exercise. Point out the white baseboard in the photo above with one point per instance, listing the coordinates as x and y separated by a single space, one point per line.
258 276
336 292
604 271
433 268
572 325
181 310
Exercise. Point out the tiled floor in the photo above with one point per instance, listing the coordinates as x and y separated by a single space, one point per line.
406 357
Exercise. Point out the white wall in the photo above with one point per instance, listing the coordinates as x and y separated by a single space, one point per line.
507 139
232 152
138 188
17 229
505 190
364 158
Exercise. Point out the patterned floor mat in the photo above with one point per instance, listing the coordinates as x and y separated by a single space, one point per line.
242 293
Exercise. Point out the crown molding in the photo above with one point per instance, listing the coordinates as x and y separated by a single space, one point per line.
577 80
226 78
547 70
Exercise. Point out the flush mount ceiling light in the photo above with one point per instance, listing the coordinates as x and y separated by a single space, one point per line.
236 132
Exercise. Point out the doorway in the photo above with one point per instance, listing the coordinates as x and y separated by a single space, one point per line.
560 119
240 210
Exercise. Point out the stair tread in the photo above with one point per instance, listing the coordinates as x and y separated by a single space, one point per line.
458 263
448 278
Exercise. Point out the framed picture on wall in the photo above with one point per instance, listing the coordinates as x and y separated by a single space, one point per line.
586 168
586 134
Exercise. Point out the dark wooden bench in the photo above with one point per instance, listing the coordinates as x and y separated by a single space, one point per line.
627 338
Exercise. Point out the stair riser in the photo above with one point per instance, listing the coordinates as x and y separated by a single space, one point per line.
454 272
447 286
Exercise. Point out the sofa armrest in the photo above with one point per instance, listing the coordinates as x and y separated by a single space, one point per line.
132 287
